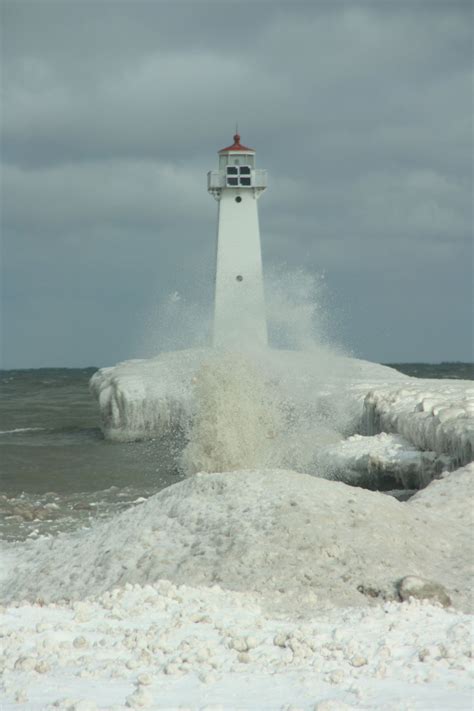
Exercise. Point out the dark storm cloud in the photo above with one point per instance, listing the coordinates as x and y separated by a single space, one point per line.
113 112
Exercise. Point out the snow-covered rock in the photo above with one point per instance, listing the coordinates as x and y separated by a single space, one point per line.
421 589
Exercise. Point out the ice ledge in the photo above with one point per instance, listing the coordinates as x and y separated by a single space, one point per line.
142 399
376 462
432 415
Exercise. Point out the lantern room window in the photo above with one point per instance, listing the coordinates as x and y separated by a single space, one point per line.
239 176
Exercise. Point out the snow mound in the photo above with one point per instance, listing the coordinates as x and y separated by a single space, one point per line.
433 415
297 539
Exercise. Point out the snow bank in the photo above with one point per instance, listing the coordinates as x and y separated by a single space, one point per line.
167 647
433 415
298 540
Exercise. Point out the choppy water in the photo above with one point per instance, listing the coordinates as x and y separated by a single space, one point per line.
56 470
456 371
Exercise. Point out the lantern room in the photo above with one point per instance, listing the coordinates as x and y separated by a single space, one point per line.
237 162
236 170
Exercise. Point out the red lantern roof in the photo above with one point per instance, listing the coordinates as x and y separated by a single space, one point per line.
236 146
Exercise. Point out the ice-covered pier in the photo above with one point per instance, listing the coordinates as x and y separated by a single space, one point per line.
334 414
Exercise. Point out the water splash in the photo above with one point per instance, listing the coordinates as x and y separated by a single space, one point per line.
267 407
236 420
175 323
297 313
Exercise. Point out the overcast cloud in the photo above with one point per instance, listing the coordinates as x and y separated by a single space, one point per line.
113 112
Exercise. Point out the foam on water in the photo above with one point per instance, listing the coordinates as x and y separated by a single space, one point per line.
17 430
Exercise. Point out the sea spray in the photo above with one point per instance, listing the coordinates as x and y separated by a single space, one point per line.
176 322
297 314
237 418
247 412
252 411
270 407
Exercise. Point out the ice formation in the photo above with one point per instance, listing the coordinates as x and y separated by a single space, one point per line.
379 460
140 398
437 416
294 410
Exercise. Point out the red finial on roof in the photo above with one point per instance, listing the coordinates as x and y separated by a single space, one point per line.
236 146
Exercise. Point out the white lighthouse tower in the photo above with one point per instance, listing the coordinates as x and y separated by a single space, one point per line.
239 306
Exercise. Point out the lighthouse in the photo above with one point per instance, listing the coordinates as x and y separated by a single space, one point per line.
239 305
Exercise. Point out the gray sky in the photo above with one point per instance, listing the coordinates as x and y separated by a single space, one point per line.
113 113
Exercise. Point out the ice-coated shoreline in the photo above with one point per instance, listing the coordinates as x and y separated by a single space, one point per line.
255 587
